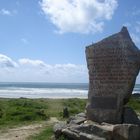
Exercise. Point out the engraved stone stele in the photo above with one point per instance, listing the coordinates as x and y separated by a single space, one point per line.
113 65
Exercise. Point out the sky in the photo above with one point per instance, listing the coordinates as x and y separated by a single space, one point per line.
45 40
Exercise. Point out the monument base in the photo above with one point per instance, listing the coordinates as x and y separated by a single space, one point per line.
105 109
79 128
104 115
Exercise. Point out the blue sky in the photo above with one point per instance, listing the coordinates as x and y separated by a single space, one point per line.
44 40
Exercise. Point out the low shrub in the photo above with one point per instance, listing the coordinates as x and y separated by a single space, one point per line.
22 110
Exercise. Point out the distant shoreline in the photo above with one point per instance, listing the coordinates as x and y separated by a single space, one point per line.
136 95
43 98
47 90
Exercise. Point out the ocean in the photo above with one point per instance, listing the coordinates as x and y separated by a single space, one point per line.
47 90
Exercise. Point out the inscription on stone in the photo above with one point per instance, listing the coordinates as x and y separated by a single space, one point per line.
104 102
113 65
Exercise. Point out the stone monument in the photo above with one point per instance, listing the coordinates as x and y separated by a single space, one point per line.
113 65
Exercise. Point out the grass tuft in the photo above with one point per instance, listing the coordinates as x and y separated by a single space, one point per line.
16 111
46 134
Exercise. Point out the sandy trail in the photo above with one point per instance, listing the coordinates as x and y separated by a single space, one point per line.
21 133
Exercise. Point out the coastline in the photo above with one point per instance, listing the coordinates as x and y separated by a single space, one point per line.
135 95
47 90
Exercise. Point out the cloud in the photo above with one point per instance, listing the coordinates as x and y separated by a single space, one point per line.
37 70
5 12
29 62
28 70
24 40
82 16
6 62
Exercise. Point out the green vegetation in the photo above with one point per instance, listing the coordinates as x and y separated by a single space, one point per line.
24 111
19 111
75 105
135 104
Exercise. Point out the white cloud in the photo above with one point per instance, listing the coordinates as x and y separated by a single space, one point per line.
24 40
81 16
5 12
29 62
6 62
38 71
27 70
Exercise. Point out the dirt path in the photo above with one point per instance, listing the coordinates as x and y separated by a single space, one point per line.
21 133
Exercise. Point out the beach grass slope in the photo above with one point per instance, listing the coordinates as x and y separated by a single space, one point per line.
23 111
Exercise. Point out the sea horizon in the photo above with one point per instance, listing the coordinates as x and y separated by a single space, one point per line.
47 90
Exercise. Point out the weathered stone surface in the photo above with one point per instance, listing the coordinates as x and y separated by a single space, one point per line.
84 136
130 117
113 65
88 131
70 134
77 119
126 132
82 114
58 129
93 131
104 102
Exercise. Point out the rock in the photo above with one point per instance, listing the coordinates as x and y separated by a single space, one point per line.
70 135
130 117
58 129
81 115
126 132
94 131
88 131
84 136
113 65
139 118
77 119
